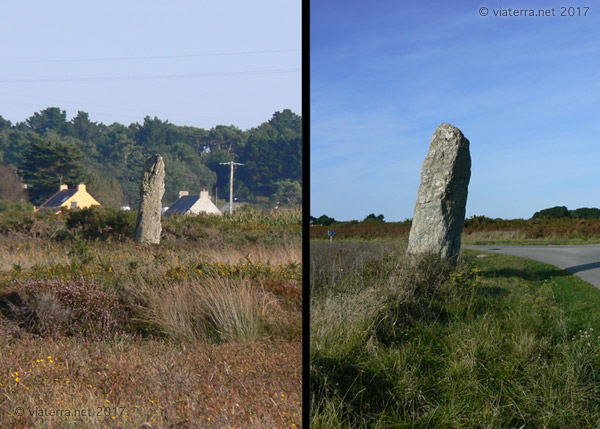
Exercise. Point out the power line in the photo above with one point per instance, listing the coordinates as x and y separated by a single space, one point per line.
232 164
157 57
150 77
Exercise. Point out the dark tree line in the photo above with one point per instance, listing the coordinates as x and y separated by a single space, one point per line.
326 220
47 150
563 212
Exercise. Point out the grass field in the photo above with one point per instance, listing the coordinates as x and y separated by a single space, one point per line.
203 330
498 341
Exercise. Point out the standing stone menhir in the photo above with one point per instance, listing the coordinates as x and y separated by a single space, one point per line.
148 228
442 197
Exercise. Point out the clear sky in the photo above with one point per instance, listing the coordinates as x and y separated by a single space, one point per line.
524 90
200 63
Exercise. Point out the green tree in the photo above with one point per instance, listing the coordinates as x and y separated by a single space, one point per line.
273 160
180 177
372 217
227 138
82 128
552 212
105 189
222 172
323 220
585 213
288 192
119 145
46 163
273 153
48 119
286 121
12 143
153 131
4 124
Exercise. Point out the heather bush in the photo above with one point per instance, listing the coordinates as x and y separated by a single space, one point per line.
63 307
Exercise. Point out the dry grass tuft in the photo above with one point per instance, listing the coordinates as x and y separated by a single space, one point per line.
214 310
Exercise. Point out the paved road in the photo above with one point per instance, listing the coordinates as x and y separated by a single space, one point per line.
582 261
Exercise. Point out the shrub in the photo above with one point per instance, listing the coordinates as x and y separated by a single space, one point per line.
62 307
21 206
102 222
475 221
13 221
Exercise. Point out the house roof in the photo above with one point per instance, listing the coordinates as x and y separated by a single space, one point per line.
182 205
60 197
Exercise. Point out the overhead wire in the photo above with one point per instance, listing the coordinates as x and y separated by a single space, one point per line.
149 77
157 57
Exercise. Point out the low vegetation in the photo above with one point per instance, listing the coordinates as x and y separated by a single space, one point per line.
477 230
545 230
204 329
496 341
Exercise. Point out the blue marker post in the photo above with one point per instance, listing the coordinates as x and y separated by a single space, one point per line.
331 233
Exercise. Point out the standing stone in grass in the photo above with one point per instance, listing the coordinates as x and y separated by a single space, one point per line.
148 228
442 197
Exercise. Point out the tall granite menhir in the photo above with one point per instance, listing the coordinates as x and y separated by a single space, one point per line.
148 228
442 196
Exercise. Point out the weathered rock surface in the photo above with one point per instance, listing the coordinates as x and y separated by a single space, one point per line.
442 196
148 227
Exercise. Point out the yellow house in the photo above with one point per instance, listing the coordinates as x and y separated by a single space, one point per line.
68 198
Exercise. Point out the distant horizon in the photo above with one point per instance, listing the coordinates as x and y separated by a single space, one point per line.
466 217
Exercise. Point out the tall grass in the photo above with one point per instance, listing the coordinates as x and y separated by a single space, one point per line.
215 310
492 342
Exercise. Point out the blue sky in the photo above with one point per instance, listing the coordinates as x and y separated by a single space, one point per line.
225 62
524 90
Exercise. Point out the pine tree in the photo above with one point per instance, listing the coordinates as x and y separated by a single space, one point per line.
47 162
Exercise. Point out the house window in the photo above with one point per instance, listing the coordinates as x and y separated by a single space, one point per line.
74 204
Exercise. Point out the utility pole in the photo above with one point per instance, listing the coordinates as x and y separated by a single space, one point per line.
231 163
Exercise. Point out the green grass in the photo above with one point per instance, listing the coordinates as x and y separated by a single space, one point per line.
498 341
